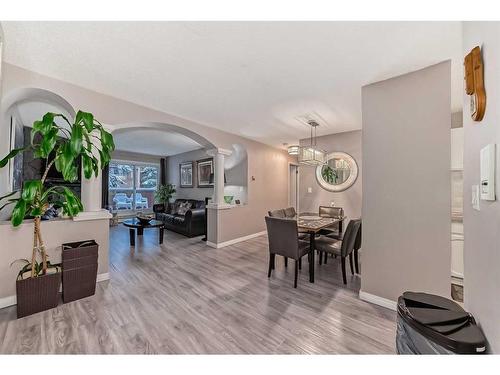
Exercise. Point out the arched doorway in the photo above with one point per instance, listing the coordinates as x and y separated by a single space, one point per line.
20 108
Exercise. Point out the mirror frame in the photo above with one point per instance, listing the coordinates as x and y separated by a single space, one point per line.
353 176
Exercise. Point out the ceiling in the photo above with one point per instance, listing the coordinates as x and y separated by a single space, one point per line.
249 78
153 142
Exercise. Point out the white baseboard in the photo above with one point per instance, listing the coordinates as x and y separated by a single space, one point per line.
236 240
103 277
384 302
8 301
12 300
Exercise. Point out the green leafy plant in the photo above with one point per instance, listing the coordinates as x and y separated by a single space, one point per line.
164 193
329 174
61 147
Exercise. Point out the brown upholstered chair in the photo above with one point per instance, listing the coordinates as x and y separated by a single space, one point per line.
290 213
334 231
342 248
357 246
283 240
277 213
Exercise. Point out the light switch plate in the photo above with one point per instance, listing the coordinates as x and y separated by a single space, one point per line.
309 189
475 197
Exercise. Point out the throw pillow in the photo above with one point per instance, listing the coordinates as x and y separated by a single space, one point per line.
183 208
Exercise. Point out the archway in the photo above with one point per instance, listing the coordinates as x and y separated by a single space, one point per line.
20 108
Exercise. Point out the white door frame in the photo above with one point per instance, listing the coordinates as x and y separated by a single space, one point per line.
290 164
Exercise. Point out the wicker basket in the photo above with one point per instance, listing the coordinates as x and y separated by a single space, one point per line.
37 294
79 264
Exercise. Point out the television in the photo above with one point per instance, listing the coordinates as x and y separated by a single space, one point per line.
33 168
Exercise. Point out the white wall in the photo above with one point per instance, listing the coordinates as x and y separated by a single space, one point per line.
482 235
406 184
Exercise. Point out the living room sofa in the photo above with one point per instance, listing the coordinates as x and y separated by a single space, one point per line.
191 224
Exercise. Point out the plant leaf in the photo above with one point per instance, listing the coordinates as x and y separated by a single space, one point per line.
71 204
19 212
87 166
76 139
48 143
10 155
30 189
87 119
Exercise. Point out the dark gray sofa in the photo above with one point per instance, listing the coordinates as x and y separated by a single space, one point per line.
191 224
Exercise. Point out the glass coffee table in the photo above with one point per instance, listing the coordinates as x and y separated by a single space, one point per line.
136 225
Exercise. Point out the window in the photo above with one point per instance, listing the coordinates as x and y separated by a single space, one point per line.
132 185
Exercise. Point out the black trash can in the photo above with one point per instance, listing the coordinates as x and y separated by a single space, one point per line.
430 324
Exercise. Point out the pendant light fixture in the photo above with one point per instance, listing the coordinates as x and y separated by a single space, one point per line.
311 155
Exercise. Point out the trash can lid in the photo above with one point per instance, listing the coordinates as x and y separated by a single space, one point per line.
443 321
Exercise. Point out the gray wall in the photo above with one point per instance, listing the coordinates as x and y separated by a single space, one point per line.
173 175
350 199
406 184
481 228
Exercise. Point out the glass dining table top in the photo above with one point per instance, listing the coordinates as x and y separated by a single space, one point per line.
314 223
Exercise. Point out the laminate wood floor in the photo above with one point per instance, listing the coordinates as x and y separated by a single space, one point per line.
185 297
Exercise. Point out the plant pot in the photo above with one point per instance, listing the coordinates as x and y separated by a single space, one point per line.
37 294
79 264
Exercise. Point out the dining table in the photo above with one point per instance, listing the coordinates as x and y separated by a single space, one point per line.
312 224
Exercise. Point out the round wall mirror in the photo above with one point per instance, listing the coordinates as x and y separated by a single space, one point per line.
339 173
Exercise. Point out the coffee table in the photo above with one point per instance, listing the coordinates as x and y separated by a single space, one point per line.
135 225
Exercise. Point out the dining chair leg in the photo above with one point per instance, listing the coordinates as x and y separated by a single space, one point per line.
320 260
343 270
296 273
273 262
300 263
351 263
356 261
326 257
286 261
270 265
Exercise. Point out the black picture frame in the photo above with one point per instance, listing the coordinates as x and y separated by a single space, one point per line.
186 167
204 167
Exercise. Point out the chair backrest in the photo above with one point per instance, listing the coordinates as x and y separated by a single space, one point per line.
357 243
283 237
350 235
120 197
290 212
277 213
326 211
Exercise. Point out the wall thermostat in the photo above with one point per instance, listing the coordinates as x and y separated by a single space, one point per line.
487 167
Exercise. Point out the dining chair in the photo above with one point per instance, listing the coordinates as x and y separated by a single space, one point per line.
284 240
343 248
277 213
290 212
357 246
334 230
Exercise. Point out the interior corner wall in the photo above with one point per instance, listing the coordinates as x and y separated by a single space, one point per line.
350 199
406 184
481 228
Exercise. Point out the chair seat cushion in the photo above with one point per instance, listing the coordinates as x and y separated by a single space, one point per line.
328 245
179 219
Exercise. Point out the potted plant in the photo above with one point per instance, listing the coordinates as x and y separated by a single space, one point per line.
164 193
38 281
